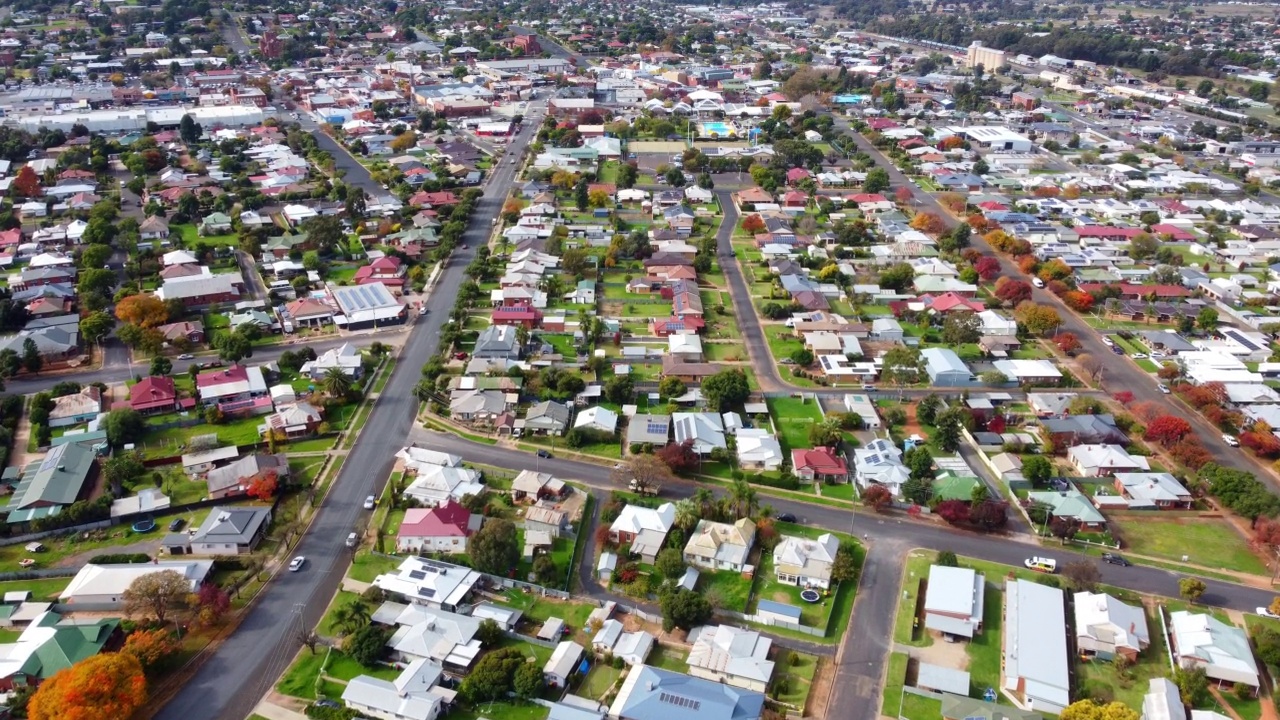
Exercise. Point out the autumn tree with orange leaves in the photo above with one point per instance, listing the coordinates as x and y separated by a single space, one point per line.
151 647
928 223
26 184
108 686
144 310
264 486
753 224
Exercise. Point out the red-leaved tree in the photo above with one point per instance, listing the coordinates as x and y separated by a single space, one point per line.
1191 453
877 497
987 267
26 184
680 457
264 486
1067 342
1263 444
1013 292
955 512
1124 397
753 224
1167 430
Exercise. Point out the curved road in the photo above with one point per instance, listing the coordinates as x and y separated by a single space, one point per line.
244 667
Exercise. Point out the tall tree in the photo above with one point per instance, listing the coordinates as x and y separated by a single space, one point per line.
494 548
155 594
108 686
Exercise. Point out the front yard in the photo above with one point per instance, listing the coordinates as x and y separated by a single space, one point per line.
1203 541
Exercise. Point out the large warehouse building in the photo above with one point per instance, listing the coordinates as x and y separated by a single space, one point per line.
136 119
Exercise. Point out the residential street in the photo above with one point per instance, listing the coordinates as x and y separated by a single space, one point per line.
244 667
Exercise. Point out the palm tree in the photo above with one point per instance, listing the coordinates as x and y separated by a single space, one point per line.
687 513
742 498
335 383
702 497
351 617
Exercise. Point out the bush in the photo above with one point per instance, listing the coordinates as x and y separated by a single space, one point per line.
319 712
119 558
785 482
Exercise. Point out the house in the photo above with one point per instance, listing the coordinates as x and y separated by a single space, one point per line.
960 707
430 582
758 450
293 419
720 546
154 228
413 695
346 358
51 643
563 663
217 223
547 519
443 529
597 419
1102 460
1071 430
954 601
103 586
880 463
437 483
1163 701
944 367
1070 504
632 647
548 418
644 529
226 531
704 430
1202 641
191 331
647 428
723 653
805 562
202 461
236 479
368 306
650 693
423 633
231 388
76 408
1159 490
1037 669
530 486
47 485
388 270
865 408
820 464
203 289
1106 627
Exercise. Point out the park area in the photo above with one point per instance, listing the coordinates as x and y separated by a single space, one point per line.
1195 539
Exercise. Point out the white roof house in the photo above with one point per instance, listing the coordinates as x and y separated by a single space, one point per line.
720 546
632 647
562 663
430 582
1037 671
1160 490
346 358
880 462
1107 627
1200 640
727 654
413 695
1101 460
1163 701
954 601
105 584
758 449
805 562
645 528
599 419
430 633
706 430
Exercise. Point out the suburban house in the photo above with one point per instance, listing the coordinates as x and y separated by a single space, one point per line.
644 529
1106 627
1070 504
227 531
103 586
1202 641
64 475
805 562
758 449
820 464
563 663
1071 430
530 486
345 358
443 528
236 478
76 408
727 654
237 389
1103 460
430 582
650 693
51 643
154 395
1163 701
720 546
415 694
435 484
423 633
547 418
880 463
1159 490
954 601
1037 671
632 647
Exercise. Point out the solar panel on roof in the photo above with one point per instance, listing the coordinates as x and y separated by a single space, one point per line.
417 575
426 592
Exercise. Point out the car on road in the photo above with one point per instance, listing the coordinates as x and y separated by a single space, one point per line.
369 502
1108 341
544 454
1115 559
1037 282
186 356
785 517
1117 349
296 564
1266 612
1162 388
1041 564
1230 440
1139 356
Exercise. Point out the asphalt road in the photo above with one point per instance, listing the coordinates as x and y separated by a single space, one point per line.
243 668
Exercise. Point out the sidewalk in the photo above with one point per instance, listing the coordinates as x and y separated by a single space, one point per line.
271 711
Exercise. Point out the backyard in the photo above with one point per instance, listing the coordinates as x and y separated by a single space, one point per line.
793 418
731 587
1103 680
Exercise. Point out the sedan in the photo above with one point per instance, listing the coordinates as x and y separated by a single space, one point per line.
785 517
1114 559
296 564
186 356
1139 356
1162 388
544 454
1230 440
369 502
1266 612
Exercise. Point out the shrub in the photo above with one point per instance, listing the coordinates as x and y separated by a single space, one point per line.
119 558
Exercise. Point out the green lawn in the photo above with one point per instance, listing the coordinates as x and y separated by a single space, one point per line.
542 654
800 679
767 587
1100 679
895 677
172 441
300 679
793 418
599 680
40 588
918 707
984 650
732 588
365 567
501 710
342 599
782 347
343 667
917 568
1205 541
668 658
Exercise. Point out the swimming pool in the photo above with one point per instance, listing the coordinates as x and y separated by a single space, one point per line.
721 129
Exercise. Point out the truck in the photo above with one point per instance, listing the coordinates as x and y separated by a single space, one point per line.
645 490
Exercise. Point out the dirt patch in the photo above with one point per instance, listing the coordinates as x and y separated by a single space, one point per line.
942 653
820 688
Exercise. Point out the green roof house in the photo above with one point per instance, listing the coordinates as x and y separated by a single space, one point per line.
50 644
62 477
950 485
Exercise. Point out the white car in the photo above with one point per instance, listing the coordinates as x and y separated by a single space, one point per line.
296 564
1162 388
1230 440
369 502
1139 356
186 356
1107 341
1264 612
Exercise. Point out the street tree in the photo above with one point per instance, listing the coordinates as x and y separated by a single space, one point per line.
648 472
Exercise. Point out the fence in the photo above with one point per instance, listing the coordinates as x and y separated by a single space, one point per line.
551 644
647 617
774 622
33 574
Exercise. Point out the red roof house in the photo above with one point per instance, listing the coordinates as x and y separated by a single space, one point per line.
444 528
795 175
154 395
386 270
524 315
820 463
795 198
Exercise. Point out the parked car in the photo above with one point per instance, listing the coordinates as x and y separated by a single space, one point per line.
1266 612
1230 440
1114 559
296 564
176 524
1162 388
1139 356
544 454
1041 564
785 517
369 502
1117 349
186 356
1108 341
